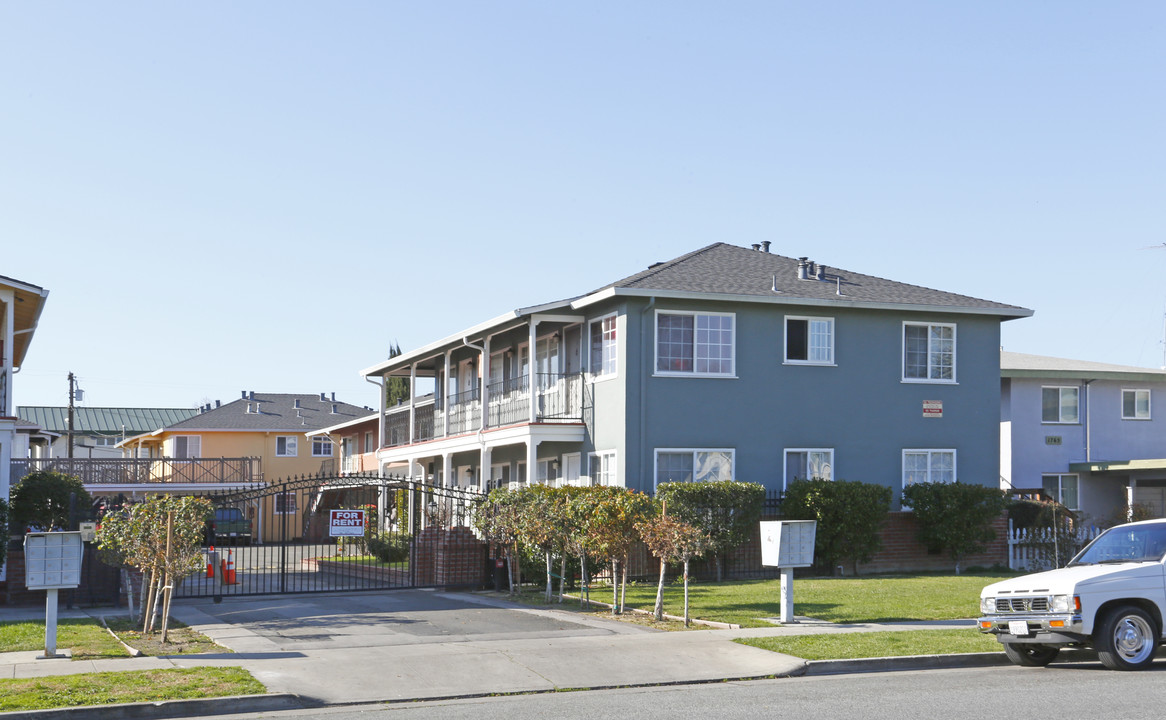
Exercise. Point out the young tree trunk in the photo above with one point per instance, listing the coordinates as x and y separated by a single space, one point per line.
720 567
562 575
659 609
623 589
129 590
585 596
156 603
550 583
686 623
148 601
614 589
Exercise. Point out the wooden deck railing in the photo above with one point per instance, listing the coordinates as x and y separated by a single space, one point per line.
119 471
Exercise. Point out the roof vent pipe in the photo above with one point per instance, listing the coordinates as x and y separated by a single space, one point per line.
803 268
821 272
244 395
765 246
333 408
323 397
257 410
248 410
333 397
218 403
252 395
297 404
757 246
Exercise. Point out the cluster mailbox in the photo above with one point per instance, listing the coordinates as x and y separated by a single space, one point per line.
788 543
52 560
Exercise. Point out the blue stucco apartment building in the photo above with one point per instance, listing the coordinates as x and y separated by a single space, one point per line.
727 362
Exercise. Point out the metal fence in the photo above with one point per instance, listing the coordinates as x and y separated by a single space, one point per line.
119 471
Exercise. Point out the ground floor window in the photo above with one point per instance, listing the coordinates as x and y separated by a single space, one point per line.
1062 488
285 503
935 466
602 468
685 465
809 464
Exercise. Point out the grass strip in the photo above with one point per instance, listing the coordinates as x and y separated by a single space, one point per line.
84 636
892 643
125 687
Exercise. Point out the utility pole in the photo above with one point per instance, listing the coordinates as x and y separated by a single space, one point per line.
72 384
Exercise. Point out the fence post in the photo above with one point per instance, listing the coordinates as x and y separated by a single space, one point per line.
282 539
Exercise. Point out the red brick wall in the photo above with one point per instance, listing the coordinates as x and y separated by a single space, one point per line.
444 558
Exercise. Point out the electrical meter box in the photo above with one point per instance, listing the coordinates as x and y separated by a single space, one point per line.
52 560
788 543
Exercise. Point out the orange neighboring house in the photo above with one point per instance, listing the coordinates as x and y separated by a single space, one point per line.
278 432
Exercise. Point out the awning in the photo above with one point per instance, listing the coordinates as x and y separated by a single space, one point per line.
1122 466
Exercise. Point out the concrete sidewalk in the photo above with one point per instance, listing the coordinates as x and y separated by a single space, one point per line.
341 649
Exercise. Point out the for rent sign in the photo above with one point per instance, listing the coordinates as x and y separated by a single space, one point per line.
346 523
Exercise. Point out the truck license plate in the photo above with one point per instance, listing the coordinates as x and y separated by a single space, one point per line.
1018 627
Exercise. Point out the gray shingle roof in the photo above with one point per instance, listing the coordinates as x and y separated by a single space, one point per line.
726 269
104 421
1022 365
273 411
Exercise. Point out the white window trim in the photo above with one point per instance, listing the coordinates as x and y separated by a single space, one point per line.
1060 488
275 503
595 467
656 460
785 463
331 446
930 452
603 376
1149 406
903 353
293 440
198 442
1058 421
657 372
785 341
550 482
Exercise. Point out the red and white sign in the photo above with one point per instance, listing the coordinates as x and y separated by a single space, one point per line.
346 523
932 408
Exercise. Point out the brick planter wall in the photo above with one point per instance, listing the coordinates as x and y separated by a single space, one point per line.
99 583
449 558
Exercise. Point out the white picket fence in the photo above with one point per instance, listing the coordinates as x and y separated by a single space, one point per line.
1033 549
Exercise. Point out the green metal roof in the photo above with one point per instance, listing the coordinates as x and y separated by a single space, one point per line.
105 421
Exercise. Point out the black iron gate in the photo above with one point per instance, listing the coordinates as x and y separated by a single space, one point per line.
282 537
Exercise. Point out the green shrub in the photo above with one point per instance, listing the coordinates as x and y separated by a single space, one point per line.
389 549
48 501
954 517
726 510
849 514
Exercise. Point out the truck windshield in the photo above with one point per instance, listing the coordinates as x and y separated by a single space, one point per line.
1126 543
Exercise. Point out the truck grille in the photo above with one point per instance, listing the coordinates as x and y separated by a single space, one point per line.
1020 605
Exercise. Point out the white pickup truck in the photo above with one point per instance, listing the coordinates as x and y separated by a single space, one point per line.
1111 597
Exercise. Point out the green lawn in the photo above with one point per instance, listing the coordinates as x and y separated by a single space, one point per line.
847 646
124 687
850 599
84 636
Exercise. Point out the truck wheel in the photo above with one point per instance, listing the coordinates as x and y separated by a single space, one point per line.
1028 655
1126 639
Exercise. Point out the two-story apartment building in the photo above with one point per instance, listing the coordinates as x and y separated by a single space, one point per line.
727 362
1084 432
21 305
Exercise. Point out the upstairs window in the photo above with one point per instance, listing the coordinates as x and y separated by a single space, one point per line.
285 446
695 344
603 346
187 446
321 446
809 340
1135 404
928 352
1059 404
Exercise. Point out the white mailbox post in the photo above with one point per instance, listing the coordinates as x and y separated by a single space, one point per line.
788 544
52 561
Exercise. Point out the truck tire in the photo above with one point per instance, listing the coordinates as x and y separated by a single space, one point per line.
1126 639
1029 655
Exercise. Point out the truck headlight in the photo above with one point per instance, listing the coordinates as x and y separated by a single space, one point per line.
987 605
1064 603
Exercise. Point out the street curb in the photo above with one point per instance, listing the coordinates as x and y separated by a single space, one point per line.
905 662
199 707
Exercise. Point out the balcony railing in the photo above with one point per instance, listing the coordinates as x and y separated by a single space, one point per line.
558 398
131 471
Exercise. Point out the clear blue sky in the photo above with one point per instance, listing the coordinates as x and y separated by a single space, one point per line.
265 195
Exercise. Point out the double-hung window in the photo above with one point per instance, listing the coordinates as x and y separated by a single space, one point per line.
809 340
1063 489
285 446
603 347
928 466
1135 404
928 352
187 446
684 465
602 468
809 464
321 446
285 503
695 344
1060 404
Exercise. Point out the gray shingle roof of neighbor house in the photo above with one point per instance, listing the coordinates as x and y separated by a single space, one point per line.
1020 365
104 421
723 269
274 411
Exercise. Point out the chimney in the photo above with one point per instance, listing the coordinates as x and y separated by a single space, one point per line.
765 246
803 268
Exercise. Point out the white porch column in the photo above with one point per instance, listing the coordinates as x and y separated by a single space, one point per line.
531 461
484 471
532 378
447 470
485 383
412 403
1133 485
444 390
